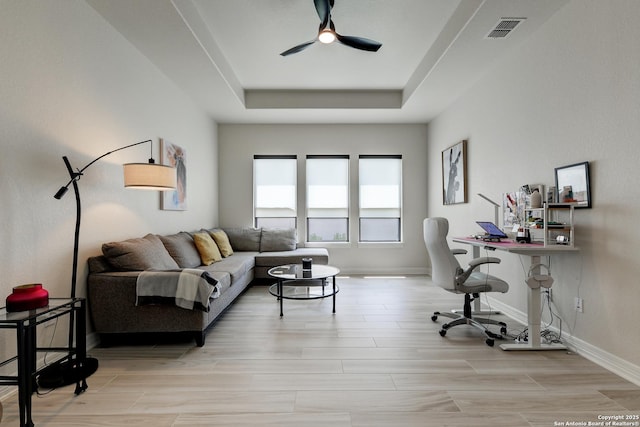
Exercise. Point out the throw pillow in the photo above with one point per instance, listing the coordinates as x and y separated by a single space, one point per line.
209 252
222 240
244 239
138 254
182 248
278 240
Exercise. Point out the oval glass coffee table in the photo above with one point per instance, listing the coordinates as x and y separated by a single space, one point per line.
296 283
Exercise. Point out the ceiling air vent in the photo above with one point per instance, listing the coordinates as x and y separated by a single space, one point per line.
504 27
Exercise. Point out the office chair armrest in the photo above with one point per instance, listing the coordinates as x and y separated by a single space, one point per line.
458 251
473 264
483 260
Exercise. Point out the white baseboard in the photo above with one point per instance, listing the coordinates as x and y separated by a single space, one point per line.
419 271
611 362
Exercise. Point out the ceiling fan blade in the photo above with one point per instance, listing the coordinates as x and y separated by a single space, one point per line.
359 43
298 48
323 7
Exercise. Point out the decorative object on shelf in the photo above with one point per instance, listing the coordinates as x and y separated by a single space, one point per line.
573 186
454 174
147 176
174 156
536 199
530 197
27 297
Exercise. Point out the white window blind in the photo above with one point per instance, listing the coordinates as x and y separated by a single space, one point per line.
327 198
275 180
380 201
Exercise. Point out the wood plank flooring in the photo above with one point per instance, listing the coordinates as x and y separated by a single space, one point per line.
379 361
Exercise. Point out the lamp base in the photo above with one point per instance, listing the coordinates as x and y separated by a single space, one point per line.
66 373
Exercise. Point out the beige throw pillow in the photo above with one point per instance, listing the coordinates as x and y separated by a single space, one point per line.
209 252
222 240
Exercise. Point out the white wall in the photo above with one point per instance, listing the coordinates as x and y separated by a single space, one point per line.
71 85
570 94
239 143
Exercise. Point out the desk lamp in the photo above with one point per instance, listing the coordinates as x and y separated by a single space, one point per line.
495 207
149 176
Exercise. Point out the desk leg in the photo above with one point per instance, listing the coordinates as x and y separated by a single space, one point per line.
534 317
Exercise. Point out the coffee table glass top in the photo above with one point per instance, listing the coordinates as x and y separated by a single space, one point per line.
295 272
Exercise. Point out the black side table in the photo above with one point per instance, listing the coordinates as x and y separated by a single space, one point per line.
25 323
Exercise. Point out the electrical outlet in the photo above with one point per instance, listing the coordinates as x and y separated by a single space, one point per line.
579 305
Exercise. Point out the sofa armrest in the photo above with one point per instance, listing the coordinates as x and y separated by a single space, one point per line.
99 264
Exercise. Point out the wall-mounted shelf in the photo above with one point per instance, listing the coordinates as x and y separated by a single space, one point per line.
552 224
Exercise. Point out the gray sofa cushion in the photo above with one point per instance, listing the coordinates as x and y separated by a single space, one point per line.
143 253
237 265
274 240
182 249
244 239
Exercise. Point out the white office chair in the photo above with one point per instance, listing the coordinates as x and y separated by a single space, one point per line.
447 273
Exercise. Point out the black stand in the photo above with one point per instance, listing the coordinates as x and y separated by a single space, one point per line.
73 370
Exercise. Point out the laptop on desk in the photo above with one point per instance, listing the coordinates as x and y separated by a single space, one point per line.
494 234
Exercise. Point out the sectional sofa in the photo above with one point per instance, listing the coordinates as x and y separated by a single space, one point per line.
234 257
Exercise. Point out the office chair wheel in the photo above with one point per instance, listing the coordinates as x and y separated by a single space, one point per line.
443 332
489 342
434 317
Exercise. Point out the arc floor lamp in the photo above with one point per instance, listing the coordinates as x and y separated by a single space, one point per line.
148 176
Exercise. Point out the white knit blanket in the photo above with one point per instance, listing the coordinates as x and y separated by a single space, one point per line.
188 288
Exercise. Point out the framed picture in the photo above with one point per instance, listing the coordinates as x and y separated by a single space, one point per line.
454 174
572 185
176 156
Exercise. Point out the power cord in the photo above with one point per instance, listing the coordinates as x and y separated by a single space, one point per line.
549 336
44 359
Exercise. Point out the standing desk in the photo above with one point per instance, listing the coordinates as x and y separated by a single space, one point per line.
534 316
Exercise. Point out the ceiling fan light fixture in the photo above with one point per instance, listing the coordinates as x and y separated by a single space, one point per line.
327 36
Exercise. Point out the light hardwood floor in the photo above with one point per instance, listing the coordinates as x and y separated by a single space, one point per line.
379 361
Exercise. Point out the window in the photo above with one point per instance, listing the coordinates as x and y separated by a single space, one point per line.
327 198
380 198
274 191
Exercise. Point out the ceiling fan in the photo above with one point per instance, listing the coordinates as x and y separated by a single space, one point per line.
327 32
